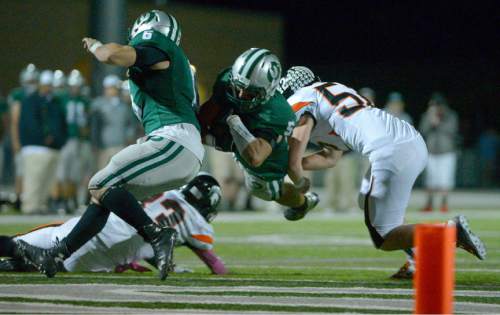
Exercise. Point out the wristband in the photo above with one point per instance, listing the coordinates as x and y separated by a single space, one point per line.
94 46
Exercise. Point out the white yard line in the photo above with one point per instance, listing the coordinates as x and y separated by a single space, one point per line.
114 293
127 289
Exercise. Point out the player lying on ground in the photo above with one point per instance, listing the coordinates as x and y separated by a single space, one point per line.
163 98
246 116
118 246
337 118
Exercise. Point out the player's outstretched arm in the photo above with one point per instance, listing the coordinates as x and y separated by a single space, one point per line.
326 158
112 53
213 262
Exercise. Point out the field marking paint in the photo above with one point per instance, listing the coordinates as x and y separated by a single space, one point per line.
116 293
249 288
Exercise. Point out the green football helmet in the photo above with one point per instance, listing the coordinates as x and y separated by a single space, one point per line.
254 78
159 21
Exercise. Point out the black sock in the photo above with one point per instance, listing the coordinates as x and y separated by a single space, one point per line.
123 204
91 223
7 246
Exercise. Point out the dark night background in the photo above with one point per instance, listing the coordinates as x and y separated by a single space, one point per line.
409 46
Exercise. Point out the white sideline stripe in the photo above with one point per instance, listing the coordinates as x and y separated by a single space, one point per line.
493 214
353 268
89 293
286 239
217 278
251 288
49 308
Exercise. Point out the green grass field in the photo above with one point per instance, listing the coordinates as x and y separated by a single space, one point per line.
320 264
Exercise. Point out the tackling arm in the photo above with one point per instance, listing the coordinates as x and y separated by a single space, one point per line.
325 158
298 144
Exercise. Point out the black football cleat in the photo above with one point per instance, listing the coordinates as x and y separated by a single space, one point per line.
162 239
43 260
294 214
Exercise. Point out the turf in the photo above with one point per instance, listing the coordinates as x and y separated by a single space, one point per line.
318 252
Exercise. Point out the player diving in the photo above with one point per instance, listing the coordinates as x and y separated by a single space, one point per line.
248 117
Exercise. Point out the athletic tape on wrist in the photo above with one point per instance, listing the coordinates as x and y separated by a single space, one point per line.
241 136
94 46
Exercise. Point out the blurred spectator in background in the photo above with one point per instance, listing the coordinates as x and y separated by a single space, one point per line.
76 153
230 176
29 82
4 125
59 89
42 133
396 107
439 126
340 183
488 146
112 122
368 93
125 96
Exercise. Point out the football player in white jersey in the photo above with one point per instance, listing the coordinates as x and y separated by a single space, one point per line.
338 119
188 210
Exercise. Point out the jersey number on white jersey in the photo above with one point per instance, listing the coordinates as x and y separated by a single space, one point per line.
172 213
347 103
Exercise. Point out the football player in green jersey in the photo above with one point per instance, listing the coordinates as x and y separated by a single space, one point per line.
77 148
29 83
247 116
163 95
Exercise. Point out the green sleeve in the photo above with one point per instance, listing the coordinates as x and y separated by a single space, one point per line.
155 39
220 87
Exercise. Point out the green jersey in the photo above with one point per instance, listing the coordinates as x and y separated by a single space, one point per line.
16 95
162 97
77 116
274 119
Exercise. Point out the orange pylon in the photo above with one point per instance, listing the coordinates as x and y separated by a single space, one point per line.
434 268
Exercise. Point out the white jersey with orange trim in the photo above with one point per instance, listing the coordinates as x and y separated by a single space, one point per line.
119 244
348 121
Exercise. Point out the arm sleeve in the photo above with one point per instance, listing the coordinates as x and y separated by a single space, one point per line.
148 56
213 262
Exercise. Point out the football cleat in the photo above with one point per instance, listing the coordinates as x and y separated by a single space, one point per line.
468 240
41 259
405 272
294 214
13 264
162 239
